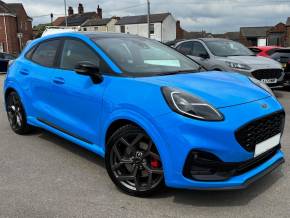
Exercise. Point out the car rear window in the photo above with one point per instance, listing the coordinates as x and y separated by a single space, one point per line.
45 53
255 50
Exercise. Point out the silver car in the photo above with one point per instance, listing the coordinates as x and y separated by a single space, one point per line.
231 56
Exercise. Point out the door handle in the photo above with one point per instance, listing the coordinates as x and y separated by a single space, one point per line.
58 80
24 72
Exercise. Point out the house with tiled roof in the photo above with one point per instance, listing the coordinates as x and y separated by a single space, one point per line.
100 25
162 26
75 20
254 36
15 27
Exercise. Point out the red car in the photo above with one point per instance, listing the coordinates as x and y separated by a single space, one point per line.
265 51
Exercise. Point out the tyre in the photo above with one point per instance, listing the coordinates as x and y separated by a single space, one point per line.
16 114
133 162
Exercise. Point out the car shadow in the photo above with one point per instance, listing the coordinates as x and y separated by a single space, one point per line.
222 198
185 197
69 146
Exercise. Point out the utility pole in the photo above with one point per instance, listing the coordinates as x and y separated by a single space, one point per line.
65 16
148 17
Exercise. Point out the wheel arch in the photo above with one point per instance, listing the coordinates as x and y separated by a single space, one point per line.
145 124
7 92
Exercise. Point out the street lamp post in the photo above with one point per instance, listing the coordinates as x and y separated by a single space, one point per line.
148 17
65 15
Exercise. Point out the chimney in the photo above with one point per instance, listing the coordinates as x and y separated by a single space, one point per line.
99 13
179 31
70 11
81 9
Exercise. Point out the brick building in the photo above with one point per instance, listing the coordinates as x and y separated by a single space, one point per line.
277 35
15 27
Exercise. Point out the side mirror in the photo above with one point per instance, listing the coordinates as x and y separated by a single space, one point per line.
89 69
204 56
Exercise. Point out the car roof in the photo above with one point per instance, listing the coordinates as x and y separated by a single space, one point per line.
92 34
205 40
265 47
213 39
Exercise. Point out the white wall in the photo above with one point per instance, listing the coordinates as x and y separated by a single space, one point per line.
110 27
169 29
95 28
163 32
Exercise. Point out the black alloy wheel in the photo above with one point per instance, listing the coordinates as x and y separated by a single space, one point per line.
16 114
133 162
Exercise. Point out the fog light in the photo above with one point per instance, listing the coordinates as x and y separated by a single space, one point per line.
204 166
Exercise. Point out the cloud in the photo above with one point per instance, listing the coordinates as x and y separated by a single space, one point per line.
195 15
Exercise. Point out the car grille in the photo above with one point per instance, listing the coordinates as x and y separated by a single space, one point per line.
267 74
260 130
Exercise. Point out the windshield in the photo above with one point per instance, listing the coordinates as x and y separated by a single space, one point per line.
143 57
226 48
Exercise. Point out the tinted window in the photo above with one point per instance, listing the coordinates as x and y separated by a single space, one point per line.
272 51
9 57
225 48
45 53
282 56
255 50
198 49
75 51
185 48
145 57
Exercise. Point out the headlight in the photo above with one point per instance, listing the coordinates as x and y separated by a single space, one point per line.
190 106
238 66
261 85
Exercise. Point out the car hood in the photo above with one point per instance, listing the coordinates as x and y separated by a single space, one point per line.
255 62
217 88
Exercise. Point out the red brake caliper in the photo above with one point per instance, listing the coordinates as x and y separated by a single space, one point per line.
155 163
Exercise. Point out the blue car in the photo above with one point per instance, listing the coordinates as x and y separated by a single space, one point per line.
151 112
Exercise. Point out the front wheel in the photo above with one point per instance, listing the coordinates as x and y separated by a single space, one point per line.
16 114
133 162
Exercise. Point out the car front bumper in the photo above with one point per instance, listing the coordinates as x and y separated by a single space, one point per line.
182 135
244 180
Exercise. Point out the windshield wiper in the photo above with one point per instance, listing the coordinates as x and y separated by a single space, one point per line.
179 71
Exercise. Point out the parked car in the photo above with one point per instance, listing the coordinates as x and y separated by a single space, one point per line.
226 55
282 55
147 110
264 51
4 61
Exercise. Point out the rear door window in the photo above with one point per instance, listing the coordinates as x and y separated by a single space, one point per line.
45 53
199 49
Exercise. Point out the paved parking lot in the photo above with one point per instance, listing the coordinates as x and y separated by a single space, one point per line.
42 175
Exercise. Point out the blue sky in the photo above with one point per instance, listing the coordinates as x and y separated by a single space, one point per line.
215 16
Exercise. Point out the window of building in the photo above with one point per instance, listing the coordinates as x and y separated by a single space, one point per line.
96 28
151 28
45 53
75 51
122 29
85 29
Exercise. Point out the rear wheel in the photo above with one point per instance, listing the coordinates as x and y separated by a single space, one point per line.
133 162
16 114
